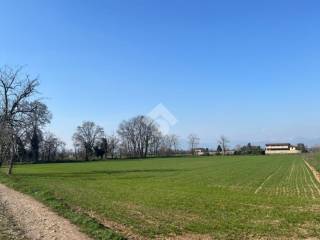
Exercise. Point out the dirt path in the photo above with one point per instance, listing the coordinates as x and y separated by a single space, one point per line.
36 220
8 228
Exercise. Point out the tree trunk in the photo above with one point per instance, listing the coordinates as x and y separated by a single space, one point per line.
87 155
10 166
11 160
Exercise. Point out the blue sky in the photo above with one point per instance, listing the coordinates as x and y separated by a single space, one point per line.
246 69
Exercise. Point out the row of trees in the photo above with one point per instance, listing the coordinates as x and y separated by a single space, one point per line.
138 137
249 149
23 118
194 142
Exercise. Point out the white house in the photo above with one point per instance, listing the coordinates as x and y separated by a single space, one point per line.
281 148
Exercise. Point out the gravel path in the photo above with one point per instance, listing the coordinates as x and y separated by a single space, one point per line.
36 220
8 228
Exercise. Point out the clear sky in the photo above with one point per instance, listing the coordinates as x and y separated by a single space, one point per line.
246 69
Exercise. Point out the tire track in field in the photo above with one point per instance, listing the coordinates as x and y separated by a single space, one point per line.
312 187
291 179
266 180
302 182
296 182
286 185
307 182
291 170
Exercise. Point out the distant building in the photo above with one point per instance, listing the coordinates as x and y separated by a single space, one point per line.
201 151
281 148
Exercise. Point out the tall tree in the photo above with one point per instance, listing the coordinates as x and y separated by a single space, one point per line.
51 147
36 121
223 141
170 144
86 136
219 149
35 145
16 92
113 145
101 148
194 141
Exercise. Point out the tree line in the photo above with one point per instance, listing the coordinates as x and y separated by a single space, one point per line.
24 116
138 137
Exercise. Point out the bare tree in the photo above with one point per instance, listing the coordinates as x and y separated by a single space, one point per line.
113 142
136 136
51 147
16 92
5 141
86 136
223 141
169 144
194 141
155 143
175 142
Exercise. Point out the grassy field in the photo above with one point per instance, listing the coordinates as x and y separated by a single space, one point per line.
221 197
314 160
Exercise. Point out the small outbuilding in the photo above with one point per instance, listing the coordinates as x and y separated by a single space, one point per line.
201 151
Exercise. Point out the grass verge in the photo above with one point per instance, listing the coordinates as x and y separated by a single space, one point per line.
86 224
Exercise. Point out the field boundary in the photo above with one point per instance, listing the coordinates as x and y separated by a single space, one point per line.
314 171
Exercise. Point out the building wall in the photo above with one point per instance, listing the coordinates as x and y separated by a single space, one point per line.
278 147
291 151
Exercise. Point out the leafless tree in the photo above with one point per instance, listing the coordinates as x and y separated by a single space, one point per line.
156 143
194 141
51 147
5 143
16 93
223 141
113 145
175 142
86 136
136 135
169 144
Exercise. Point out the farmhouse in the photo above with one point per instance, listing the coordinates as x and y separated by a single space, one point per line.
281 148
201 151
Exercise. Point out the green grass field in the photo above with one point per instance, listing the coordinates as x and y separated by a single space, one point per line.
221 197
